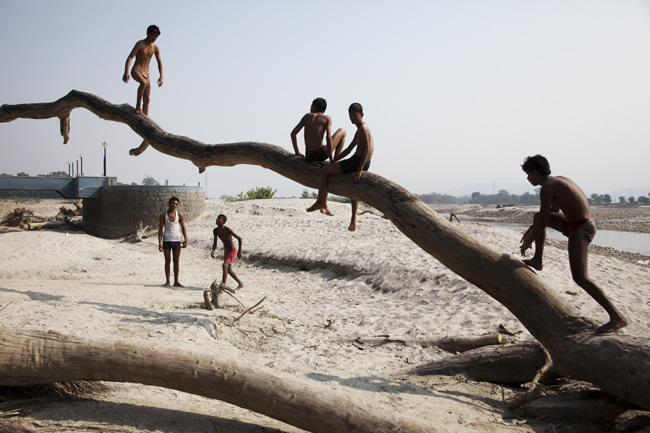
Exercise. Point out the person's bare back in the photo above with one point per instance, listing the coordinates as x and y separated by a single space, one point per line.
568 197
315 125
318 126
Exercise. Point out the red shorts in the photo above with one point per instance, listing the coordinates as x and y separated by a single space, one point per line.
229 256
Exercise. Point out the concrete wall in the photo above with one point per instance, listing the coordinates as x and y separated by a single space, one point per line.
121 208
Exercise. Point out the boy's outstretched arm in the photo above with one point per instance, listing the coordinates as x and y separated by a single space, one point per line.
214 243
241 244
126 75
160 66
294 136
181 220
545 207
363 150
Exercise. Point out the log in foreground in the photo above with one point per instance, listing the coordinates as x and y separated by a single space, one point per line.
37 357
450 344
510 364
618 364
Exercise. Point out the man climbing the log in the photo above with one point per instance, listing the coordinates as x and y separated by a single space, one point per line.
172 223
357 163
143 51
564 207
317 125
229 251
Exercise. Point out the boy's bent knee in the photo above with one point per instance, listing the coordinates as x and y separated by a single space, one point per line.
581 280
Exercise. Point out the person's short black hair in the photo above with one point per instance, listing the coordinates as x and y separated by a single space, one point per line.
225 218
537 162
356 108
320 104
153 29
174 198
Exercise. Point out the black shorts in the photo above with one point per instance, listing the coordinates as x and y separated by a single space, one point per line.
317 155
171 245
352 164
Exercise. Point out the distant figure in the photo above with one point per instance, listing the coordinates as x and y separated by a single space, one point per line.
317 125
229 251
357 163
172 224
142 51
564 207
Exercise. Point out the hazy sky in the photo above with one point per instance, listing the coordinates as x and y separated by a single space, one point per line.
456 93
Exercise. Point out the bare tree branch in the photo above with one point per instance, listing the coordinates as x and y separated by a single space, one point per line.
618 364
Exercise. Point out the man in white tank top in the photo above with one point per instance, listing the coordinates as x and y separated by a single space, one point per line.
172 223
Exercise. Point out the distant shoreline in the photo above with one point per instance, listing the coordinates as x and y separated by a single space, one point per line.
607 217
466 213
524 215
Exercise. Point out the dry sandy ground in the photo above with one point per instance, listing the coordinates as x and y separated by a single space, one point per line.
324 287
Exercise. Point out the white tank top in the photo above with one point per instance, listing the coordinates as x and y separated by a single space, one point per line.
172 231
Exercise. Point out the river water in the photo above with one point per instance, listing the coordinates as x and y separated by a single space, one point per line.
622 241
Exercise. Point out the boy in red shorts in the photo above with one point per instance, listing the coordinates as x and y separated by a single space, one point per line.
229 251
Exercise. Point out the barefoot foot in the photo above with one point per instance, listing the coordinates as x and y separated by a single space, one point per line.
167 284
177 284
326 211
535 264
314 207
612 326
352 227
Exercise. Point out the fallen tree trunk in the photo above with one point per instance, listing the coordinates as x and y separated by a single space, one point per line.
618 364
28 358
450 344
510 364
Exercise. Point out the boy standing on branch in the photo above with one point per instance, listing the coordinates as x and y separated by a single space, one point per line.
143 51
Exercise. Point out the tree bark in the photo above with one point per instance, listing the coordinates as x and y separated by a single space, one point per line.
34 357
510 364
449 344
618 364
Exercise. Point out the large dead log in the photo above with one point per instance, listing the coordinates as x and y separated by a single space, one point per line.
510 364
618 364
450 344
35 357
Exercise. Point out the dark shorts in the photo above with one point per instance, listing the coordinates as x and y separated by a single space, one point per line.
352 164
585 228
317 155
171 245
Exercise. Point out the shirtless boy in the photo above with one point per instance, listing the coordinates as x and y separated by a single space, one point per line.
229 251
564 207
172 223
143 51
317 125
357 163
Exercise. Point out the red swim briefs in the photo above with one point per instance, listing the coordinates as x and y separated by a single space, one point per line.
229 256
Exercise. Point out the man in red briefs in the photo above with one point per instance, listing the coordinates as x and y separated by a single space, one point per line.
564 207
229 251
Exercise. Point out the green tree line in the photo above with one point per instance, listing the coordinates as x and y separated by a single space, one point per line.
503 197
